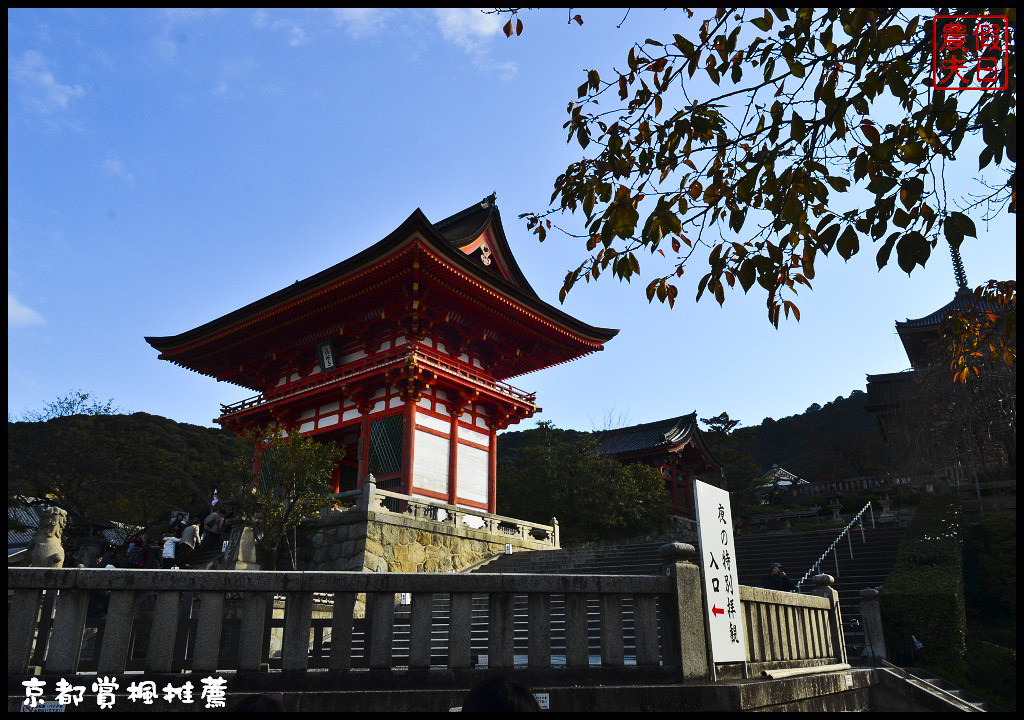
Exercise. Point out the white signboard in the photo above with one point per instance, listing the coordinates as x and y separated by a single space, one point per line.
718 567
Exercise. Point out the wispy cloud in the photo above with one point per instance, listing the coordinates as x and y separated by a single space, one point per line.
361 22
472 30
40 90
115 167
297 35
19 315
467 27
171 37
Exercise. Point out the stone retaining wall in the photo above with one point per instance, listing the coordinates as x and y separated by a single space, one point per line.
391 542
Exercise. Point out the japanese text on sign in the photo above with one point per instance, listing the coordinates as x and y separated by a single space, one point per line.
721 588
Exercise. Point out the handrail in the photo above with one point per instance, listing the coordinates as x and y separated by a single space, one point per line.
815 568
319 380
370 498
427 357
907 675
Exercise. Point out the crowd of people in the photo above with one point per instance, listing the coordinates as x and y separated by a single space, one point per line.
176 547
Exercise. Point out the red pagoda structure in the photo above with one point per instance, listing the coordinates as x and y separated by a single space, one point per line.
399 354
674 446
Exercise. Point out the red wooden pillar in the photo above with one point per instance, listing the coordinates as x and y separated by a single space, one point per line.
673 484
492 474
336 477
690 509
408 446
364 451
453 458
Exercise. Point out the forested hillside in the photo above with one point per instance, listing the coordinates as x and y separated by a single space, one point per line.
137 468
838 439
130 468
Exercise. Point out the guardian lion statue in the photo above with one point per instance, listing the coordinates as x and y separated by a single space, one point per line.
46 549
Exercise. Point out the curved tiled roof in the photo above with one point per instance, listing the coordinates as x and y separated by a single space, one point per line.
964 298
448 236
648 436
918 335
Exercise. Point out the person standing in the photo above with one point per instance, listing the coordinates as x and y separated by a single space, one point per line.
777 579
138 553
177 525
167 558
213 526
189 541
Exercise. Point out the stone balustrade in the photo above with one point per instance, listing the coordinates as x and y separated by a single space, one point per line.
372 499
162 621
424 508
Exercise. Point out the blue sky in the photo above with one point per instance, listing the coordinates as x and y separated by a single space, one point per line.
167 167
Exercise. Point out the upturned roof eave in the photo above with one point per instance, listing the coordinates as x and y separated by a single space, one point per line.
680 431
395 239
417 222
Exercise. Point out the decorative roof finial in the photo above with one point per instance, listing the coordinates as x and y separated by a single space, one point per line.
489 200
958 267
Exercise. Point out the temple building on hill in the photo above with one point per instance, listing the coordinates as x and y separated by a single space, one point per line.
676 447
400 354
961 437
922 341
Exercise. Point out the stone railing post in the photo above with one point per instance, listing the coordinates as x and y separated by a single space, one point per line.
823 588
871 616
247 551
554 532
366 502
690 647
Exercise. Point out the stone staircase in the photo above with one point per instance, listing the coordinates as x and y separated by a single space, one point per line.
980 704
874 553
478 634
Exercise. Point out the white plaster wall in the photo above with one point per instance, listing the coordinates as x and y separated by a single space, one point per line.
472 473
433 423
430 462
473 436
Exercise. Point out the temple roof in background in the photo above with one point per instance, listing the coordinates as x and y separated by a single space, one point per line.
667 435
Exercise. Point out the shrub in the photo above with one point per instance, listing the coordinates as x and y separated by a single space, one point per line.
924 594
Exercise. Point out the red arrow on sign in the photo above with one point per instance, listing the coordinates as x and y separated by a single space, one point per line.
715 610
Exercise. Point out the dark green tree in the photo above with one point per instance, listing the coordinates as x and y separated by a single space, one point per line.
553 473
274 483
738 466
133 469
74 402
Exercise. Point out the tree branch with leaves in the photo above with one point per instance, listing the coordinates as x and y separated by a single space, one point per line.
761 172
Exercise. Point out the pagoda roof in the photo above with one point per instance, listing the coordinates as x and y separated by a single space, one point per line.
662 435
917 334
472 241
962 299
466 226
